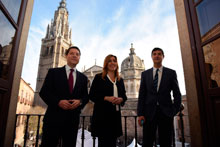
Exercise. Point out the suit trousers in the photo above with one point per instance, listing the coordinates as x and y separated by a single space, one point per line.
64 135
164 124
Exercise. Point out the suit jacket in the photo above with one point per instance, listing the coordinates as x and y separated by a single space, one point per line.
106 120
148 97
56 88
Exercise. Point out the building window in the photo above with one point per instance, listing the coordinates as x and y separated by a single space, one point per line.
51 50
22 95
18 121
208 15
132 87
23 120
212 63
6 44
126 87
13 7
63 51
46 51
137 87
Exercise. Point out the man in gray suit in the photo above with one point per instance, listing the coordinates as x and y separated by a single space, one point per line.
156 109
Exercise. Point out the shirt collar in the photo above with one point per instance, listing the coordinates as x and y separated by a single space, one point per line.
160 69
111 80
68 68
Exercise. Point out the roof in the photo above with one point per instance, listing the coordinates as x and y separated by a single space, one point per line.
93 69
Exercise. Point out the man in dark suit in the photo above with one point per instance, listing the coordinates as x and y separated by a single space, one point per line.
156 109
65 92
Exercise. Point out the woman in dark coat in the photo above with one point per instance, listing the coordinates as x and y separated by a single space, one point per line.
108 93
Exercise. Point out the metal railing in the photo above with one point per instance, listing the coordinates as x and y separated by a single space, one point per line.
83 125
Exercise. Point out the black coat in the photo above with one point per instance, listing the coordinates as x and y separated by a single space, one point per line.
148 98
56 88
106 121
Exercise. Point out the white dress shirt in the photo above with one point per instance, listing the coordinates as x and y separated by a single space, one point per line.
115 90
160 71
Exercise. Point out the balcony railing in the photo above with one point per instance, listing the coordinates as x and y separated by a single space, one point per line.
85 123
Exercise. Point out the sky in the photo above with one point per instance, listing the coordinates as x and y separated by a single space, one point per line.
102 27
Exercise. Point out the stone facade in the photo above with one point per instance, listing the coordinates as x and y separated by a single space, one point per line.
131 69
211 55
5 54
54 45
24 104
90 73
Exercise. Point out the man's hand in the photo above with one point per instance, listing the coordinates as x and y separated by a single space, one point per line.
64 104
74 103
141 120
117 101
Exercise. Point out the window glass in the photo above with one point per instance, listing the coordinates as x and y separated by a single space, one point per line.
13 7
208 16
212 63
6 42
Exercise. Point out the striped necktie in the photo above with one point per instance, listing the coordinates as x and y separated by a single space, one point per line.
155 81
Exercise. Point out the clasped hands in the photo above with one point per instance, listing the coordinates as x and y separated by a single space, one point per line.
69 104
113 100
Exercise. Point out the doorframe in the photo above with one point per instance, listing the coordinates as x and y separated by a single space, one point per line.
203 91
6 85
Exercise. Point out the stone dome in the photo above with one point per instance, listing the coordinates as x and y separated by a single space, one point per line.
132 61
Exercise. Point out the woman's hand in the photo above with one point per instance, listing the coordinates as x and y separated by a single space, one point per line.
117 101
109 98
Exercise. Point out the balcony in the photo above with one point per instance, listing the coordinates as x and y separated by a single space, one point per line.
31 126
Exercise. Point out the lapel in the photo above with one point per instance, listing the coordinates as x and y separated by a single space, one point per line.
77 82
64 78
107 80
150 77
163 77
109 85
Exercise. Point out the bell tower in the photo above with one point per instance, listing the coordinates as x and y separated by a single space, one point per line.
53 47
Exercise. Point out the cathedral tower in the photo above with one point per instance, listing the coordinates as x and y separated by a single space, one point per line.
53 47
131 69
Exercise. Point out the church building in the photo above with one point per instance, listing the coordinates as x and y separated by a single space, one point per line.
131 69
54 45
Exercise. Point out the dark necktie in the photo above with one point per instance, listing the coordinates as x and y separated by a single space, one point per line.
155 81
71 80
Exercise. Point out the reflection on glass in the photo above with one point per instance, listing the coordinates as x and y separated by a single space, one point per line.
195 1
209 69
212 63
13 6
208 15
6 39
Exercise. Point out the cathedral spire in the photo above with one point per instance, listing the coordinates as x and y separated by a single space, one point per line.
48 31
62 4
132 50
